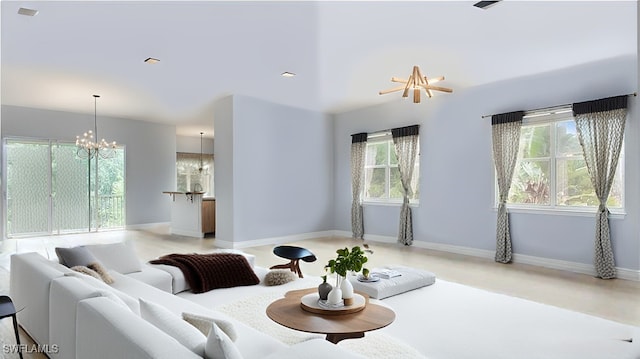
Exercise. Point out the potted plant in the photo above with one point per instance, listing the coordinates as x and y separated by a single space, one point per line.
345 261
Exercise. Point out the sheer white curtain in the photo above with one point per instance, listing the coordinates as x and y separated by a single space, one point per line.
358 149
600 126
505 134
406 141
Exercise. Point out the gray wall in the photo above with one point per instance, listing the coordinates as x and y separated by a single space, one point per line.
150 153
282 169
191 144
223 166
456 168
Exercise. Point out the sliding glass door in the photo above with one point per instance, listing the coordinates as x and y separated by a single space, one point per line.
50 190
28 187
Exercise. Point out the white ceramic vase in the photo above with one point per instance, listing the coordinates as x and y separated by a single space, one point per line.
335 296
347 288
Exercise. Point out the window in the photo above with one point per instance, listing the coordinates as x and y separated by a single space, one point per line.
381 174
551 172
190 178
50 190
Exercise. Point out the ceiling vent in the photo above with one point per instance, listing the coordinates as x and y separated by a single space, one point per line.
485 4
27 12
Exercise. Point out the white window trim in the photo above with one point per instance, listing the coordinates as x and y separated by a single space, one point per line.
535 118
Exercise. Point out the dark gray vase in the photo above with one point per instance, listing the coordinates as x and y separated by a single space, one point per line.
323 290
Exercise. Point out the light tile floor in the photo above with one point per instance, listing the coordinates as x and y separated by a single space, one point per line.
615 300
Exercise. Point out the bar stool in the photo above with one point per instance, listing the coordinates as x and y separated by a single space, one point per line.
294 254
8 310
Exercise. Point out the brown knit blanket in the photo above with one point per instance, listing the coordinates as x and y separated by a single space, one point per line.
205 272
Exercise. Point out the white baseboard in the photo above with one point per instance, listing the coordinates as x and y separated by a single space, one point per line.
183 232
622 273
147 225
272 240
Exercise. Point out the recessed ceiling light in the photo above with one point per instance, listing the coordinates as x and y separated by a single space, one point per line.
27 12
485 4
288 74
151 60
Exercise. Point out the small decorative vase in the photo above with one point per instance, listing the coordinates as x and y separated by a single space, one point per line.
335 296
347 291
324 288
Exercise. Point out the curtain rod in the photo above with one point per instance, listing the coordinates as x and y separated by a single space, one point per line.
554 107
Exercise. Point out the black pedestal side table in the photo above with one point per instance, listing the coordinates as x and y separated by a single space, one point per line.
294 254
8 310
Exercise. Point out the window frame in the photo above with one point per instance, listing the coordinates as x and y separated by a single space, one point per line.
381 137
551 117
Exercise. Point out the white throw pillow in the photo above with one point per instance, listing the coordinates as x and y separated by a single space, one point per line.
120 257
204 324
219 346
106 291
163 319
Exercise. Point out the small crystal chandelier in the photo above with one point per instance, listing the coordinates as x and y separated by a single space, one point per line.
89 149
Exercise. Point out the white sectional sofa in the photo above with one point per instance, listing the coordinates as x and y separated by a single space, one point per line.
73 319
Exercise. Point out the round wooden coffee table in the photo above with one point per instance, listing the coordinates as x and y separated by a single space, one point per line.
289 313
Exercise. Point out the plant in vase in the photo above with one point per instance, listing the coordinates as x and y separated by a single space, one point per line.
346 261
365 273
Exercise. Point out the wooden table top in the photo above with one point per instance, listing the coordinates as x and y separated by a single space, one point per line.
289 313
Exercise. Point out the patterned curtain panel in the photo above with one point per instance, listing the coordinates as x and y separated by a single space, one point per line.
505 134
600 126
405 140
358 148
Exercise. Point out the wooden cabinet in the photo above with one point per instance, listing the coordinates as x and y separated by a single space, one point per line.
208 215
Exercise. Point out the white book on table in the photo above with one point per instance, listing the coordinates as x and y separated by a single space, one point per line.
386 273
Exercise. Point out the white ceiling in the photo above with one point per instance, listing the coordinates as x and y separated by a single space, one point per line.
343 52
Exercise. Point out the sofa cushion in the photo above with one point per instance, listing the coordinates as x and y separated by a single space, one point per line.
220 346
204 324
65 293
173 325
178 281
120 257
75 256
105 330
251 343
117 296
154 277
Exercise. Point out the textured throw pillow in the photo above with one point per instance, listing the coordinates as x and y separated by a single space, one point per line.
219 345
279 277
120 257
101 271
204 324
87 271
173 325
76 256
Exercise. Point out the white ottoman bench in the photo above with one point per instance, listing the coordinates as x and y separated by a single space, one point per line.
409 279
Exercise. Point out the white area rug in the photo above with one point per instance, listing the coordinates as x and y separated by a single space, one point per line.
251 311
453 321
